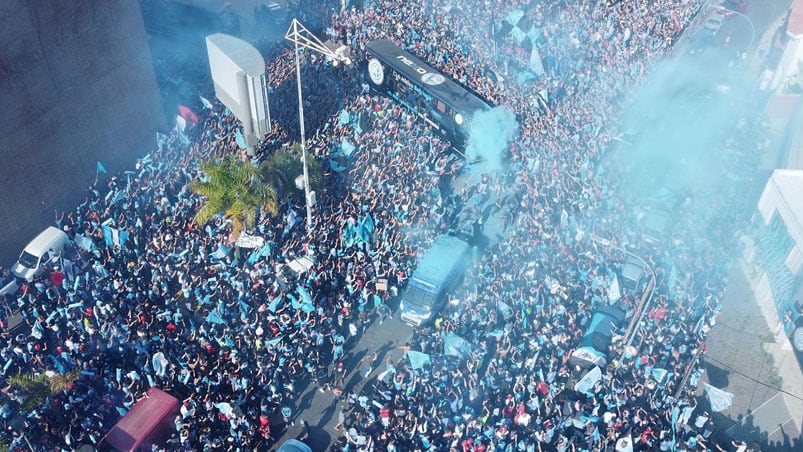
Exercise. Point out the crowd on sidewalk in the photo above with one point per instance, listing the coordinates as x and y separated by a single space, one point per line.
164 302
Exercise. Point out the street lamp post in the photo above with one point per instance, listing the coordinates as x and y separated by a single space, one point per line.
301 37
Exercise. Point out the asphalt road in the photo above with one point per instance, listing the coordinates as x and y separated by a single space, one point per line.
315 407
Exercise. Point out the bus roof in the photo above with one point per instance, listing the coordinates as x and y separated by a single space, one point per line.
446 252
449 91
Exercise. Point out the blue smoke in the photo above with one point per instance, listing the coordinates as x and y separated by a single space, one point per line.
491 133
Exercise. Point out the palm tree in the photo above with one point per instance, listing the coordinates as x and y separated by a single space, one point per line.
283 167
237 190
32 390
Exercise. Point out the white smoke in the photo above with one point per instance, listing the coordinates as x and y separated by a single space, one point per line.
491 133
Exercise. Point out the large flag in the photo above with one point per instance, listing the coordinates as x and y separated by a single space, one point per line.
113 236
454 345
589 380
417 359
214 317
720 400
187 114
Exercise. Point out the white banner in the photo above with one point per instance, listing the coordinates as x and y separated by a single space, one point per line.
249 241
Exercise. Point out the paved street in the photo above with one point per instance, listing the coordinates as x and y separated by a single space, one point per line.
316 407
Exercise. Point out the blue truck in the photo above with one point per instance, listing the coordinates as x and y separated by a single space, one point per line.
440 271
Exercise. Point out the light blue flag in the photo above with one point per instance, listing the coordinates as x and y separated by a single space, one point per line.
214 317
345 117
119 196
671 284
304 293
276 303
454 345
306 299
221 252
336 167
505 309
107 236
37 331
346 147
264 251
366 228
101 168
294 301
238 137
417 359
658 374
495 334
720 400
205 101
274 341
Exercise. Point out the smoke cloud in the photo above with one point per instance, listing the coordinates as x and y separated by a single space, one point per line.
680 120
491 133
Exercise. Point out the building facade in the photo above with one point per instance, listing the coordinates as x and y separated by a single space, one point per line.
77 86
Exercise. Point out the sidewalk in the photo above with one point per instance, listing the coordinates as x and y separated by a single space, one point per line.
748 359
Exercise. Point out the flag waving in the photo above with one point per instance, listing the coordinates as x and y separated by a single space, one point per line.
101 168
207 104
187 114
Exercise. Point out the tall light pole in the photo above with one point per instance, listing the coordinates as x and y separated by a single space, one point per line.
301 37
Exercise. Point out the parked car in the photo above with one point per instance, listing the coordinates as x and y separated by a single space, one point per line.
714 23
8 285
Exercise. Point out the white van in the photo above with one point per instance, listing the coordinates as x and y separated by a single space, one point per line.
36 254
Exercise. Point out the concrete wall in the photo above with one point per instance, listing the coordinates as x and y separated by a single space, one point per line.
77 85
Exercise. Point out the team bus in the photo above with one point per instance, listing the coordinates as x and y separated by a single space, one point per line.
440 101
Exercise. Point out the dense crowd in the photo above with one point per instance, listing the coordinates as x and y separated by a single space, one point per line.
175 306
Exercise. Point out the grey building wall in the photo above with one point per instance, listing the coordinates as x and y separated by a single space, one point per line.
77 85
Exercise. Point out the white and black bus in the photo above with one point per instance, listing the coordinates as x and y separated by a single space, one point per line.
439 100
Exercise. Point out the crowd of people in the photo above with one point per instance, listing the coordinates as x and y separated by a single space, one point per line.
172 304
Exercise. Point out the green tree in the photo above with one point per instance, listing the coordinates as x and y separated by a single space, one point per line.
31 390
236 189
283 167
